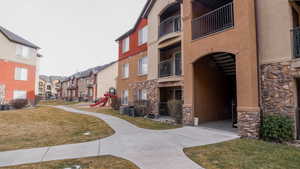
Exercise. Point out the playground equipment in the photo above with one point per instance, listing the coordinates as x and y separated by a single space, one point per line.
104 100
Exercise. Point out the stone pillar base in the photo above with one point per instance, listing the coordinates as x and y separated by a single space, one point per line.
188 117
249 124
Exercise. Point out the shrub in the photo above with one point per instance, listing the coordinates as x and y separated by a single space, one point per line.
19 103
37 100
142 107
277 128
115 103
175 110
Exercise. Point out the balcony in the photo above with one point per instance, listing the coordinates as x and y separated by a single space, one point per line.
170 25
214 21
296 42
170 67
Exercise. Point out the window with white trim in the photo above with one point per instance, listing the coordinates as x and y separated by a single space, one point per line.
142 94
125 97
21 74
143 66
20 94
143 35
125 70
24 51
125 45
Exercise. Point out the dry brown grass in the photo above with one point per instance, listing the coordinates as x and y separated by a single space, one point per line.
103 162
138 121
56 102
47 126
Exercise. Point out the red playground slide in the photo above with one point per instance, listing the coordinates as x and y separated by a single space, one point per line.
103 101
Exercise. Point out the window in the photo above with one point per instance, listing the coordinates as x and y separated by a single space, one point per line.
24 51
19 94
143 66
143 35
21 74
125 45
125 70
125 97
142 94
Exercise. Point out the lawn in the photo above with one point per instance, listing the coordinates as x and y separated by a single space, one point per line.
245 154
138 121
103 162
56 102
47 126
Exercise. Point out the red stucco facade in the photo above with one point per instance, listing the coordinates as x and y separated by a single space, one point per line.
7 70
134 47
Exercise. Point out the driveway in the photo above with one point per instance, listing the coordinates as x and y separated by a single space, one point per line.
148 149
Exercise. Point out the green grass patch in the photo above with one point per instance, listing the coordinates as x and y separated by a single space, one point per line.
245 154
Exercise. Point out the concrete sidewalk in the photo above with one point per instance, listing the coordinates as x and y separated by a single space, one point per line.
148 149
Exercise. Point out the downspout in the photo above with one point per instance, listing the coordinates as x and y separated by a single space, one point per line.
259 74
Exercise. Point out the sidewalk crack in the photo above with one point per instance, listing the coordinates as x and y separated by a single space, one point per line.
43 157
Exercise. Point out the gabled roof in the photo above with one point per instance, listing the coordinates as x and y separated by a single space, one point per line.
136 23
16 38
90 71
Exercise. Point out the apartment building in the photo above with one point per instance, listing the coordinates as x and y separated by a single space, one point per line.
90 84
133 63
235 60
18 67
49 86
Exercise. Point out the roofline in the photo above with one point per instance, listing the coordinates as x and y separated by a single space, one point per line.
34 47
146 12
136 23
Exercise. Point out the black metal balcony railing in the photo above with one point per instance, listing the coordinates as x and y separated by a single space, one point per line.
214 21
296 42
170 67
170 25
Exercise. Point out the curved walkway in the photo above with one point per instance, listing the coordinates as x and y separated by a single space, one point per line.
148 149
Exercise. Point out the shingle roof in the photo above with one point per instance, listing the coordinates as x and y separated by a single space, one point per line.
90 71
51 78
16 38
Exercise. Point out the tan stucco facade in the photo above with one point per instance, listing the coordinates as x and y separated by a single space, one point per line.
8 52
154 42
239 40
274 22
107 79
134 77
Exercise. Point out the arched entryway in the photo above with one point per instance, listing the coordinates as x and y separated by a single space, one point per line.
215 97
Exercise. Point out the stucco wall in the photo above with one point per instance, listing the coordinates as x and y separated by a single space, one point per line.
274 22
153 25
8 52
7 78
124 83
239 40
106 79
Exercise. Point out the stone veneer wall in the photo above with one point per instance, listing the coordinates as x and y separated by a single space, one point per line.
188 117
278 89
152 90
249 124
